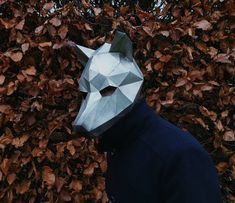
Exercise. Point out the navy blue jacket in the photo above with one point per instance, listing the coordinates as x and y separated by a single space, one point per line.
150 160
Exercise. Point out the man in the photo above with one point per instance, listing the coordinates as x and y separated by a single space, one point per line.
149 159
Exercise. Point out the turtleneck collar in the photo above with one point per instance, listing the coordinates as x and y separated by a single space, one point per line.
126 130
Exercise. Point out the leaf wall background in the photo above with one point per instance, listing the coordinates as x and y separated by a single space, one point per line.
185 50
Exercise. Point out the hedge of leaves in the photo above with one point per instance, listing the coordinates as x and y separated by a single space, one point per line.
188 63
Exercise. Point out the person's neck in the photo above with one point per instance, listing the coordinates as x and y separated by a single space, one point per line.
126 130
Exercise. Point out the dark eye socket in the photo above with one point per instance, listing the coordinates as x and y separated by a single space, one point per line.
107 91
84 94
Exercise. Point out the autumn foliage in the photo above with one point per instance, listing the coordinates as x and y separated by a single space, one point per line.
185 50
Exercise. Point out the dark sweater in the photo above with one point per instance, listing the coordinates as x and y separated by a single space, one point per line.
150 160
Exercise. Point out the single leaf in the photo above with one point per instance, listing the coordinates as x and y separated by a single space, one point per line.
55 21
203 24
48 176
30 71
20 25
76 185
2 79
15 56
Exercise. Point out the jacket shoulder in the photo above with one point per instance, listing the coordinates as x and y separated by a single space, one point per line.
164 138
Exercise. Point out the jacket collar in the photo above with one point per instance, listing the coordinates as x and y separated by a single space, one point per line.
126 130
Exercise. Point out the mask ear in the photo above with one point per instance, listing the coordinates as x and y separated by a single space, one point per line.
122 44
84 54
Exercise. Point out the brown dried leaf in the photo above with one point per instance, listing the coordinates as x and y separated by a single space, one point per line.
165 33
39 29
11 178
15 56
55 21
221 167
97 11
222 58
210 114
23 187
19 141
5 108
30 71
20 25
203 24
2 79
59 183
229 136
62 32
25 47
71 148
7 23
76 185
45 44
48 176
89 171
48 6
181 82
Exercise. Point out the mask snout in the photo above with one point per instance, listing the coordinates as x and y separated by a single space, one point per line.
83 120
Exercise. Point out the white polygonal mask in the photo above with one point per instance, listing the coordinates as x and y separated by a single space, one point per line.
111 82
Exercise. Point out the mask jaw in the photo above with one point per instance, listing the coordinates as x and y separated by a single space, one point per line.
84 54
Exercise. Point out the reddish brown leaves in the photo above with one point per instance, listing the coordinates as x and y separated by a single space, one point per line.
76 185
48 176
23 187
19 141
203 24
55 21
188 63
15 56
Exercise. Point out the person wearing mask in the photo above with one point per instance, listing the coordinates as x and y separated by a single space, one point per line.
150 160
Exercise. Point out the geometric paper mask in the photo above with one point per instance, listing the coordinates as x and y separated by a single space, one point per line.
111 82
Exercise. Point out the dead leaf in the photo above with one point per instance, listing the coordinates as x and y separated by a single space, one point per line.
55 21
48 176
221 167
7 23
20 25
5 108
48 6
25 47
203 24
165 33
62 32
15 56
45 44
23 187
39 30
97 11
76 185
229 136
222 58
11 178
2 79
19 141
59 183
181 82
30 71
71 148
89 171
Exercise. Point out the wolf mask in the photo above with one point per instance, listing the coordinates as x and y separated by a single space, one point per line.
110 82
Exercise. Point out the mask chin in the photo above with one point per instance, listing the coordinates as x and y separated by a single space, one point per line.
102 129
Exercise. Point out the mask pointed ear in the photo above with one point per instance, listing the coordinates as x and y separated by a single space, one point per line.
122 44
84 54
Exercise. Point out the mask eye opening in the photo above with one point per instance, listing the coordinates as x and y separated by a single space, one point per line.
84 94
107 91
